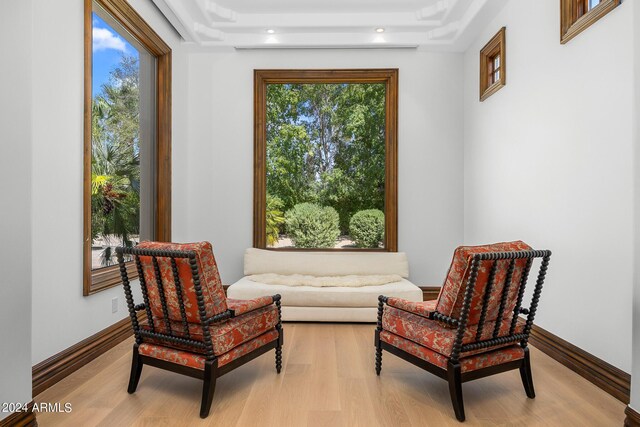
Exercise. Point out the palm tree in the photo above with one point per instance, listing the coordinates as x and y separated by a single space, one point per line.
115 162
275 219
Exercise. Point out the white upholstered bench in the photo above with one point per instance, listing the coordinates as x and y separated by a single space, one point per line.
329 303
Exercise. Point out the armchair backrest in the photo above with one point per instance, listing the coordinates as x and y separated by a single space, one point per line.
158 276
484 292
180 285
451 297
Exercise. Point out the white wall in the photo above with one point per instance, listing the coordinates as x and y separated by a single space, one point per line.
635 372
61 315
220 182
548 159
15 186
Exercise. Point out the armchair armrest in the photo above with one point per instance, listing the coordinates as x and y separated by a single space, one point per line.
220 317
422 308
242 306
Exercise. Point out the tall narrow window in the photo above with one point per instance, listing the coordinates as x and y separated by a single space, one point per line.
577 15
127 137
325 159
493 65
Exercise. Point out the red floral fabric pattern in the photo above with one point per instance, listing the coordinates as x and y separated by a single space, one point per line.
467 364
177 329
197 361
212 290
172 355
238 330
248 347
224 336
423 308
435 335
241 306
452 292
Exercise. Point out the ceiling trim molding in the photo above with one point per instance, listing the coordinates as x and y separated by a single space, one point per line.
215 12
211 34
430 12
293 47
439 25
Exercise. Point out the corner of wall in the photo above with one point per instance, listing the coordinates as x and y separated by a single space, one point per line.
635 357
15 187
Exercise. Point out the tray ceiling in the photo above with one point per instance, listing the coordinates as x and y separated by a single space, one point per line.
448 25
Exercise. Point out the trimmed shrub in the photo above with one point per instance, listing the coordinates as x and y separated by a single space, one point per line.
312 226
366 228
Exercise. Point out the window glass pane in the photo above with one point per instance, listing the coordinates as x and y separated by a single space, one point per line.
122 135
496 61
496 76
593 3
325 165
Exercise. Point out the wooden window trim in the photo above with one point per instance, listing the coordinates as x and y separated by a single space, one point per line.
387 76
571 25
98 280
496 46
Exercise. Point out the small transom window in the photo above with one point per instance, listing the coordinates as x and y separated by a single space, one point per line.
492 65
578 15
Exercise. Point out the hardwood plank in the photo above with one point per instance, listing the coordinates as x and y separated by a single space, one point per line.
609 378
326 419
327 379
60 365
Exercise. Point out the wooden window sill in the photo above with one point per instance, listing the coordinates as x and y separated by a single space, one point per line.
108 277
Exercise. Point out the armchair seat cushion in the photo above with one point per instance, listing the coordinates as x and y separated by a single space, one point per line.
224 336
435 335
197 361
238 330
467 364
168 354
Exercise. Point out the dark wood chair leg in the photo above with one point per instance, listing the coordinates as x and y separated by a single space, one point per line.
381 302
454 376
209 387
525 374
136 370
279 351
378 353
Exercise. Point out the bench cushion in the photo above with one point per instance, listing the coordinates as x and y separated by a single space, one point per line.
261 261
309 296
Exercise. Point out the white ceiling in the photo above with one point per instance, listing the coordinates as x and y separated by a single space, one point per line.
448 25
324 6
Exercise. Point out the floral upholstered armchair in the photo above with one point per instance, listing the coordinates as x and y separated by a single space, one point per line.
474 328
189 325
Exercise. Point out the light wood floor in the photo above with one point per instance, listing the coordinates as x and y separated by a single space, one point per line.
328 380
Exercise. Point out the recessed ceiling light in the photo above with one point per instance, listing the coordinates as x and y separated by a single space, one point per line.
271 31
379 30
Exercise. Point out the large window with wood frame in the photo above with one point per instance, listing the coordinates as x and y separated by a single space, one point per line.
578 15
326 159
127 138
